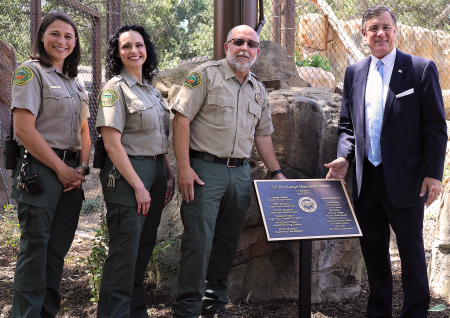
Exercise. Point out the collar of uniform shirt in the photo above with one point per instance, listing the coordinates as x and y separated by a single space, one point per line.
130 79
229 73
388 60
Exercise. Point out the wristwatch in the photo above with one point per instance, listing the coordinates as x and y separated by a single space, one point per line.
86 167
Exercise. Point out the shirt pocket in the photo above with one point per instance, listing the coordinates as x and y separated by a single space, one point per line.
56 103
142 116
252 118
218 110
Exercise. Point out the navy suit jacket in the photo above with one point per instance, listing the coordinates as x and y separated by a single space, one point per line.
413 135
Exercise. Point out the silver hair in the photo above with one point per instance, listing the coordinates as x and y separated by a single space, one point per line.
375 11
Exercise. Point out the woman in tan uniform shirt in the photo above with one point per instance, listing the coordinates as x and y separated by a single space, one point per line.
50 107
137 179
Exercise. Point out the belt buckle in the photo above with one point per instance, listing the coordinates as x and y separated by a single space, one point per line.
64 156
228 163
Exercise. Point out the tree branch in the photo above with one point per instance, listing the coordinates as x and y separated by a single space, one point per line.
364 4
442 16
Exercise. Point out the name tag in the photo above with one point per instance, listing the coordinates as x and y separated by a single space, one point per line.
55 86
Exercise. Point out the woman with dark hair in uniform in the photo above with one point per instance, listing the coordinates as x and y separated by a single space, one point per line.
50 107
137 179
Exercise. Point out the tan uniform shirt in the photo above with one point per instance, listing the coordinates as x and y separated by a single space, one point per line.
225 115
59 103
138 111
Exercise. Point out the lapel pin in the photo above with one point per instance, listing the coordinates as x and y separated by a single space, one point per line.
399 71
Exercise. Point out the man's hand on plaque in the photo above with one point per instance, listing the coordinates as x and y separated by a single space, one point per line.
338 168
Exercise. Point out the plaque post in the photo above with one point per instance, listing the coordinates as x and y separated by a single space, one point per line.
304 279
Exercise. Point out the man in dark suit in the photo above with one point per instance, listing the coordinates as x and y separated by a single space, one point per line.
393 124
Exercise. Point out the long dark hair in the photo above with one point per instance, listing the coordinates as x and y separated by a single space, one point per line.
71 62
114 64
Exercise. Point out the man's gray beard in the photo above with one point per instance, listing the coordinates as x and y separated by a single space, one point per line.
238 66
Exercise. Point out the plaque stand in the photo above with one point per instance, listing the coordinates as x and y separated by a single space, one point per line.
304 279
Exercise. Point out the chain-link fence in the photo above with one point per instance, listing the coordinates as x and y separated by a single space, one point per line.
322 36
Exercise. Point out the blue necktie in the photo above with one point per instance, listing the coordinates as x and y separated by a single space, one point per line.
376 116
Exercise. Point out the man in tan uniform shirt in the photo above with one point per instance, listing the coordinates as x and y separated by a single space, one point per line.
221 108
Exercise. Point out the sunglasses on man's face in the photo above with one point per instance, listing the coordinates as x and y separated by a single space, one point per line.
240 42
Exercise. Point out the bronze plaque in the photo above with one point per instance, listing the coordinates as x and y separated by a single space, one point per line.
306 209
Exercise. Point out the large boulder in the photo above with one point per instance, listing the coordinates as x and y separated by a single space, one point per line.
317 77
274 63
305 122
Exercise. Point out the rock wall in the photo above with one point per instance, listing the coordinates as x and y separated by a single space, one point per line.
305 122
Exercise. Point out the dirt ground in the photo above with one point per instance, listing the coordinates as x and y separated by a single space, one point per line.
76 294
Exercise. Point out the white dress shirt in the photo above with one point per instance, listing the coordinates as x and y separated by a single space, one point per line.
388 66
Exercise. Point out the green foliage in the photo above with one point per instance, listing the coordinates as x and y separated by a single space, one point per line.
96 259
179 29
91 205
10 228
315 60
156 263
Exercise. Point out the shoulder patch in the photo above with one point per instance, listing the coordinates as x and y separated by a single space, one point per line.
22 75
193 80
109 98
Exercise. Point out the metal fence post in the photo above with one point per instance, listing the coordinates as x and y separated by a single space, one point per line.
35 18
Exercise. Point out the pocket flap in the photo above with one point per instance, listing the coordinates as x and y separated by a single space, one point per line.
220 100
415 160
56 93
137 105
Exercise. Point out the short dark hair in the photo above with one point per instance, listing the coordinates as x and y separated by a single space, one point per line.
375 11
114 65
38 52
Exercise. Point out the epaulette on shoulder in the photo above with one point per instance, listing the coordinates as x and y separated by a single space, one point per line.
207 64
257 78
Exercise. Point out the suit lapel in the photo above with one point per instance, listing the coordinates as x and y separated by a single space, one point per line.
360 101
396 78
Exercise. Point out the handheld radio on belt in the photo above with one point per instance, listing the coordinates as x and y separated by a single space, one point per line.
10 153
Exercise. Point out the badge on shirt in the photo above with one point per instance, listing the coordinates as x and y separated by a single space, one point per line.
109 97
193 80
80 88
22 75
258 98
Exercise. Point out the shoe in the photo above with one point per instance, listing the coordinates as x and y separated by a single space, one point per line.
221 313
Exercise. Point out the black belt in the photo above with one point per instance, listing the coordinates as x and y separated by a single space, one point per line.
64 155
155 157
230 162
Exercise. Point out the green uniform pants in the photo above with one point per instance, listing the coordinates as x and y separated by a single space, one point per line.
132 239
48 222
212 225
